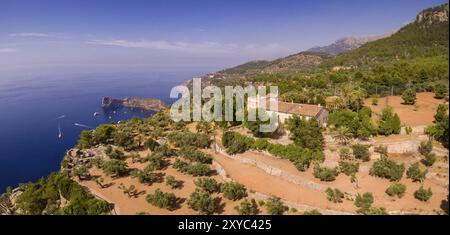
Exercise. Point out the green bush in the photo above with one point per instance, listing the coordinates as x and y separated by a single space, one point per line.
194 169
348 168
194 155
247 207
344 153
312 212
275 206
208 184
372 211
335 195
364 201
305 133
233 191
150 144
236 143
415 173
425 147
396 189
172 182
361 152
261 144
409 96
44 197
389 123
162 200
429 159
202 202
147 175
114 153
116 168
155 160
440 91
423 194
325 174
386 168
186 138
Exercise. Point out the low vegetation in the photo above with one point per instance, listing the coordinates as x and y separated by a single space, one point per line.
396 190
386 168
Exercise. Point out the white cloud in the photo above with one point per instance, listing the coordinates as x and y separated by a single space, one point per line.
29 35
38 35
8 50
190 47
204 47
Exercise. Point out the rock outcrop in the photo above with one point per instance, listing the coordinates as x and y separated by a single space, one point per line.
140 103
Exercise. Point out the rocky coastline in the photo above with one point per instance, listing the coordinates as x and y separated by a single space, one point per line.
149 104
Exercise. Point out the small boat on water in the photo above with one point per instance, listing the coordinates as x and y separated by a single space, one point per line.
82 125
59 131
96 114
60 117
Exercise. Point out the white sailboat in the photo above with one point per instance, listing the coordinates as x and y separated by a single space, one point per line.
59 131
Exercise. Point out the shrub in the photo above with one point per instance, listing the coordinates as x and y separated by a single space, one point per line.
192 154
146 175
429 159
364 201
372 211
335 195
208 184
103 133
150 144
233 190
361 152
115 167
194 169
261 144
155 160
312 212
382 150
201 201
198 169
396 189
386 168
114 153
124 138
325 174
275 206
408 130
425 147
162 200
389 123
172 182
247 207
423 194
409 96
375 100
415 173
305 133
299 156
441 114
440 91
85 140
348 168
344 153
186 138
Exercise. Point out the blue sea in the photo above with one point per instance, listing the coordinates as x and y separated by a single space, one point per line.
32 107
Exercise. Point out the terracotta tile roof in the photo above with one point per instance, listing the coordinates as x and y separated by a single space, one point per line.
299 109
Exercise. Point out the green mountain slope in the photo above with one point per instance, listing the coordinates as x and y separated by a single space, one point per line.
426 37
292 63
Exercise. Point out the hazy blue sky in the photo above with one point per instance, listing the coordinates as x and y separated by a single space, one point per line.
210 34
